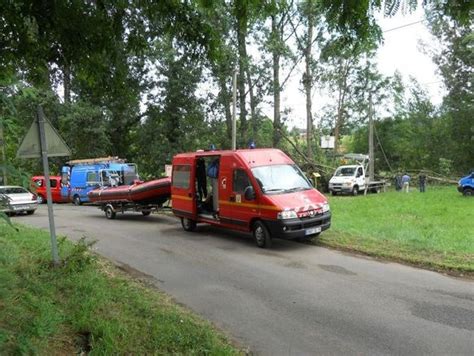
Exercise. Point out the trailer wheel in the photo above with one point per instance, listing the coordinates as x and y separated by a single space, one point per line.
110 212
146 212
261 235
468 192
188 224
76 200
355 190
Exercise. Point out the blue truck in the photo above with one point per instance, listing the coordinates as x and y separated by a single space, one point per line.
79 177
466 185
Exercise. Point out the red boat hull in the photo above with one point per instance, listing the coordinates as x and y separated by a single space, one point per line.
152 192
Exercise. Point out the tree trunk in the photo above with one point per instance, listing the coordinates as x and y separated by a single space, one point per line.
242 49
341 105
67 83
276 84
307 81
225 99
253 106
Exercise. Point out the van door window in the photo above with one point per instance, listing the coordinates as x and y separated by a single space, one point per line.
359 172
53 183
92 178
240 181
181 176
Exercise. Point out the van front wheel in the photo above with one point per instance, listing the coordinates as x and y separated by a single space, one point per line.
261 235
188 224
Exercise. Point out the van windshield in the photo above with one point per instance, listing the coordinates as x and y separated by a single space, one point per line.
345 172
281 178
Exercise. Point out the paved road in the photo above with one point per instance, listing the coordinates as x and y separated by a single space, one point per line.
292 299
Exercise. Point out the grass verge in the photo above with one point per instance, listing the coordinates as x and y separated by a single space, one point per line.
433 229
87 305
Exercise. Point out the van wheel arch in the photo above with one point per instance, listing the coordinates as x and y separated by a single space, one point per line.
468 192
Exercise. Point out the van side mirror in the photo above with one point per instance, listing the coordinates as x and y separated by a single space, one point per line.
249 193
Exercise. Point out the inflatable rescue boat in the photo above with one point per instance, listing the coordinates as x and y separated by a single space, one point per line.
153 192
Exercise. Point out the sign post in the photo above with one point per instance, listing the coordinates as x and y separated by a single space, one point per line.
42 140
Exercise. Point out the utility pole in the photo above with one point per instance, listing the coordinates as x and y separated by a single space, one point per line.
234 109
371 141
4 155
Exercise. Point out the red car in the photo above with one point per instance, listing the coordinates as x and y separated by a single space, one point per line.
256 190
38 186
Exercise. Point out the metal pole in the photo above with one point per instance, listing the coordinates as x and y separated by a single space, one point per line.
234 110
44 157
371 141
4 155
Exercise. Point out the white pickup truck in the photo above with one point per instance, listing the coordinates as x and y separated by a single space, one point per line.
352 179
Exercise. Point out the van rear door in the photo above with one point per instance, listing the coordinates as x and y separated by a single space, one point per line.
183 187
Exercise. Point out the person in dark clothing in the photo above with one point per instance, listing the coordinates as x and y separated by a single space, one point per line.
201 179
422 182
398 182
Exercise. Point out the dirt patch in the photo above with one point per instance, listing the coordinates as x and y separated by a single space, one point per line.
84 343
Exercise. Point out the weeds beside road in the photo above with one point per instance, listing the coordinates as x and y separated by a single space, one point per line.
87 305
433 229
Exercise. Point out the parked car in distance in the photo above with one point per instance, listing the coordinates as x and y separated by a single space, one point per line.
38 186
18 200
466 185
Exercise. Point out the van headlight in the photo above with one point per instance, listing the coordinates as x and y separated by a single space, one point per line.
325 207
287 214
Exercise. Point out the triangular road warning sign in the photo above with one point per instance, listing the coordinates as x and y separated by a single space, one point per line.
31 147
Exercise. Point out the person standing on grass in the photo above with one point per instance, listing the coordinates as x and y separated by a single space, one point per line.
406 182
422 181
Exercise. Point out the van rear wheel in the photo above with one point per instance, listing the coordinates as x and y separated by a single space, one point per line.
261 235
188 224
76 200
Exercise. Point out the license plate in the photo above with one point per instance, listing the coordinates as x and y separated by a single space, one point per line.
313 230
20 207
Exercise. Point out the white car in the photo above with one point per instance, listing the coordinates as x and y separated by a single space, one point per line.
17 199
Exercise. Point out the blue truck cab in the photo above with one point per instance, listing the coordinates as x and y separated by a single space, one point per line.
466 185
79 177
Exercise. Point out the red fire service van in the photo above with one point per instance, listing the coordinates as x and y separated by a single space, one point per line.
257 190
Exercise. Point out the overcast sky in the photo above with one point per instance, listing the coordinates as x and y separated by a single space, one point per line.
399 51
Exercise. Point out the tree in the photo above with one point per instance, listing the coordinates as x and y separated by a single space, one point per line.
455 59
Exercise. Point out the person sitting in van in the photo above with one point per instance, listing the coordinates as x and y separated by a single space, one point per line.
201 179
213 173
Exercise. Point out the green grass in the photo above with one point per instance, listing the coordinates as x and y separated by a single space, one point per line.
434 229
87 305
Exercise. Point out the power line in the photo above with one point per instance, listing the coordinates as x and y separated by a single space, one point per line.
406 25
